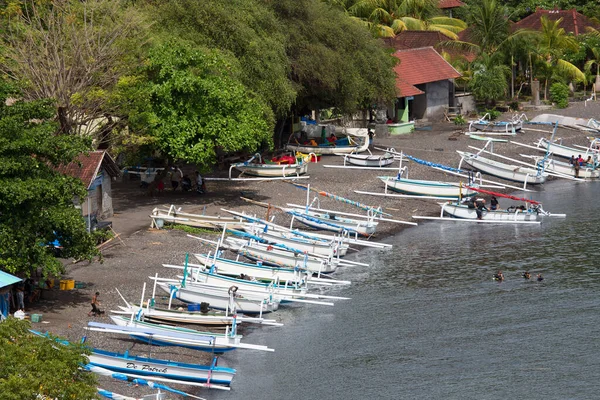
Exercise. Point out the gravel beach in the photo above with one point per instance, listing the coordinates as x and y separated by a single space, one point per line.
139 251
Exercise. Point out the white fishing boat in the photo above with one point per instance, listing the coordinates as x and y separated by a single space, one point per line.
174 215
256 271
509 172
222 298
485 124
305 243
151 367
369 160
279 257
331 222
459 210
556 148
586 171
270 170
419 187
161 315
168 335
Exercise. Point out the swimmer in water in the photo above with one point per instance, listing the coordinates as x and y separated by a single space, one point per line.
526 275
499 276
540 277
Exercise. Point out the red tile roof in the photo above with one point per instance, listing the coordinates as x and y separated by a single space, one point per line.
418 66
443 4
573 22
86 167
416 39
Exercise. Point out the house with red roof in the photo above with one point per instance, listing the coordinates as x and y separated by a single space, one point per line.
449 5
96 171
572 21
425 84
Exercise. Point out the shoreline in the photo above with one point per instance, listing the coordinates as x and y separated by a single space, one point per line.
127 265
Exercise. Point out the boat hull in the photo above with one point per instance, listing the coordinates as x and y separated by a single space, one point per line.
272 170
500 126
373 161
427 188
567 169
334 224
464 212
161 368
212 318
564 151
505 171
261 273
220 299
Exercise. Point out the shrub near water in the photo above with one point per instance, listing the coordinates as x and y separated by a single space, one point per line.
559 93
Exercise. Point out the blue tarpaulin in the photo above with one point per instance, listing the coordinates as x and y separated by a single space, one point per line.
7 279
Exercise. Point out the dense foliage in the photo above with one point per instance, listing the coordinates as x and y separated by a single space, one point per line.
36 202
559 94
34 367
192 105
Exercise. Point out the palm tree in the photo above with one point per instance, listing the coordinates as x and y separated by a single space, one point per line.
594 61
389 17
552 41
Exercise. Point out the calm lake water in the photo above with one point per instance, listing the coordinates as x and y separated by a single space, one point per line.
427 321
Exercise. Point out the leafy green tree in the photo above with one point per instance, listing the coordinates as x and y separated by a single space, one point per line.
489 81
335 62
559 93
191 104
36 202
72 51
34 367
253 36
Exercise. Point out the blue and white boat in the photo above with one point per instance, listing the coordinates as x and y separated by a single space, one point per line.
418 187
150 367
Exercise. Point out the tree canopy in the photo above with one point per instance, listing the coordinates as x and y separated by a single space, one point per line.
34 367
36 201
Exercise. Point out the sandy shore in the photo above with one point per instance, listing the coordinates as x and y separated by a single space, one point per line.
140 252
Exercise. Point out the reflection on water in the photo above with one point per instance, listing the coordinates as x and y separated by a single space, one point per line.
427 321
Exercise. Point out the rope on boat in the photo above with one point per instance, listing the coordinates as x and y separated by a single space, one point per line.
431 164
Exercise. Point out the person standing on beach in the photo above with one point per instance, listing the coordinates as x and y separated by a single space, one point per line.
95 306
176 176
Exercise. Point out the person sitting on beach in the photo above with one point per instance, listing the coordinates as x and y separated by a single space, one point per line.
313 142
332 138
526 275
580 160
493 203
499 276
589 161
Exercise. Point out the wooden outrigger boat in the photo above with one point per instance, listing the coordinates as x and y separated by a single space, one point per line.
585 171
345 239
530 213
556 148
370 160
152 367
259 272
485 124
167 335
174 215
345 145
304 243
222 298
419 187
460 210
279 257
331 222
501 170
270 170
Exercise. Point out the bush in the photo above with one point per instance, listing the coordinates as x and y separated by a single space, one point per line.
559 93
494 114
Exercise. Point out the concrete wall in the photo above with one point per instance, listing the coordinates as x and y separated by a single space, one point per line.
107 205
438 98
466 101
